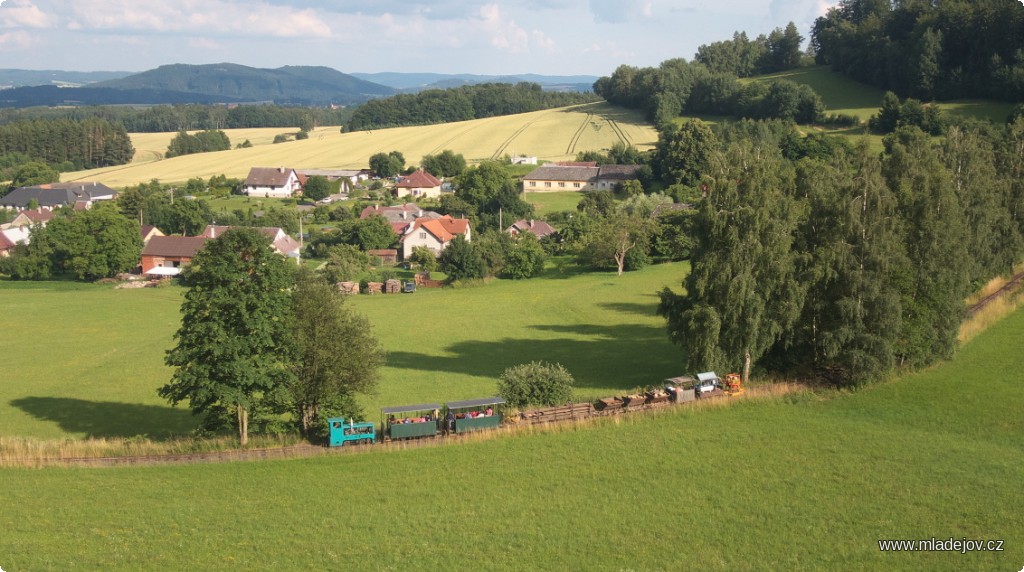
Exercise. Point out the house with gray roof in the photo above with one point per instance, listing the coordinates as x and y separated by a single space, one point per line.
56 195
277 182
577 177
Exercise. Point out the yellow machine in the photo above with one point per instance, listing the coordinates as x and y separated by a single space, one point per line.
733 384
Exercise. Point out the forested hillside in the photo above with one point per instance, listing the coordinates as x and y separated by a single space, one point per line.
710 84
460 104
168 118
928 50
66 144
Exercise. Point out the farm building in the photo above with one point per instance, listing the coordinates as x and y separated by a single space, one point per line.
166 255
280 241
577 177
11 237
277 182
537 227
418 184
54 195
435 234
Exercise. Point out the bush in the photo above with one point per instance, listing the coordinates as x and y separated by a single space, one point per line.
537 384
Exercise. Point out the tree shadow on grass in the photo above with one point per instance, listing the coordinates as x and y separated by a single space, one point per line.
108 419
650 309
610 357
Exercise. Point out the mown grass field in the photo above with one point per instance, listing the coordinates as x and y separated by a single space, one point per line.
87 359
554 134
795 483
547 203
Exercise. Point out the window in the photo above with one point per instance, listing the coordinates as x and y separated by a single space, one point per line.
547 183
423 235
561 184
577 185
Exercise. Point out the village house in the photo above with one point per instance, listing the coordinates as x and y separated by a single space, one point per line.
418 184
167 255
277 182
279 239
148 231
575 176
11 237
31 217
538 228
434 233
400 217
54 195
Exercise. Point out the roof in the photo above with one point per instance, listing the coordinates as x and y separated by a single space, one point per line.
576 163
444 228
279 239
163 271
560 173
329 173
38 215
417 180
707 376
146 229
56 194
16 234
619 172
407 212
539 228
5 243
475 402
268 177
174 246
410 408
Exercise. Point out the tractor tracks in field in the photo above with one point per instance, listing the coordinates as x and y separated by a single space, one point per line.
571 148
619 132
501 149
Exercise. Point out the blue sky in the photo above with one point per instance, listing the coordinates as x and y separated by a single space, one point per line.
442 36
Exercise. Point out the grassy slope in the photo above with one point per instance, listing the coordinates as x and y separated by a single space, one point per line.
783 484
554 134
547 203
99 375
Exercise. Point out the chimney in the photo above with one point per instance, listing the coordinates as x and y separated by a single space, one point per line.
280 170
405 215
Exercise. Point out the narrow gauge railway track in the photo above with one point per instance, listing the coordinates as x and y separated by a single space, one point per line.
1007 288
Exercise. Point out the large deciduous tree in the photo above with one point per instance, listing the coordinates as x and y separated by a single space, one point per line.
233 349
742 295
337 354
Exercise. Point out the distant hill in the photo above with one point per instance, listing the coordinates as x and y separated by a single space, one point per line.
51 95
10 78
296 85
413 82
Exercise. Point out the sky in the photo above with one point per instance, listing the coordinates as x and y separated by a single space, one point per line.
497 37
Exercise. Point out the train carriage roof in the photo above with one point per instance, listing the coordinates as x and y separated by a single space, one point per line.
410 408
475 402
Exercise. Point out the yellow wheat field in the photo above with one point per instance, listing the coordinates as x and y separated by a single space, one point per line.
553 135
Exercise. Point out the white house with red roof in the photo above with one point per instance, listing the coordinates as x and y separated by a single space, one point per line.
418 184
434 233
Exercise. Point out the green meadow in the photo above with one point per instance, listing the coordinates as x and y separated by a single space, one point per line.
798 482
86 360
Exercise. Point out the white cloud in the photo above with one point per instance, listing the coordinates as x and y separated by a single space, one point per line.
505 35
24 14
17 40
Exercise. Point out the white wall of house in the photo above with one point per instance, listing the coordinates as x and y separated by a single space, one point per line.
420 237
541 186
427 192
287 190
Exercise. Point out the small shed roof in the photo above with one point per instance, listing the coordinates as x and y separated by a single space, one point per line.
707 376
475 402
410 408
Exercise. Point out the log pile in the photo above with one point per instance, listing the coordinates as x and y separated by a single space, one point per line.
348 287
374 287
393 287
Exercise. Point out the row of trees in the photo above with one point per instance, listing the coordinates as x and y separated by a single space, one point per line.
259 340
740 56
677 86
927 50
92 244
67 145
171 118
848 265
202 142
459 104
